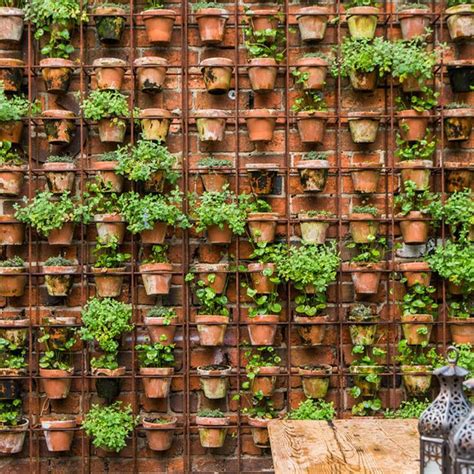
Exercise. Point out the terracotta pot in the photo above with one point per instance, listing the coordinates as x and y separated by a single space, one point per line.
11 73
259 430
311 329
265 381
457 179
14 331
160 435
216 235
210 125
411 326
365 180
9 388
413 124
109 385
108 281
363 81
111 132
313 174
213 275
262 74
110 24
363 126
214 380
264 19
366 278
262 226
109 73
156 182
212 180
418 171
211 329
363 227
156 278
460 21
110 226
212 431
458 124
151 73
217 74
59 176
311 126
211 23
260 281
11 131
315 380
58 432
416 385
59 279
158 381
11 24
156 235
260 124
315 70
454 289
159 331
414 230
359 373
59 126
105 171
414 22
61 331
55 383
461 75
12 232
313 232
159 25
262 329
312 22
261 177
12 438
362 22
416 273
155 124
56 74
11 180
462 330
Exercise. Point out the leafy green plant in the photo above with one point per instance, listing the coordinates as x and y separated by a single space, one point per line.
309 304
16 107
417 300
408 6
259 357
315 155
408 409
417 355
211 162
57 357
210 413
107 254
269 43
372 210
201 5
13 354
360 312
264 304
59 159
313 410
165 312
103 104
58 261
412 200
367 407
155 4
9 156
461 309
466 358
10 412
261 407
99 200
422 101
158 255
420 150
310 101
300 76
209 301
361 3
155 355
371 252
12 262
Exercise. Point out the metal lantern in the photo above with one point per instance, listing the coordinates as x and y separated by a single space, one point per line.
446 412
462 441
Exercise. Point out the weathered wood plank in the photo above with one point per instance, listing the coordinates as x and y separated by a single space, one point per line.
365 446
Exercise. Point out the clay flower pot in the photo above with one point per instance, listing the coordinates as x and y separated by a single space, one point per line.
315 380
363 334
261 275
217 74
110 226
110 23
211 329
260 124
311 329
261 177
458 176
59 279
56 73
259 428
363 126
11 24
105 171
58 432
15 331
59 177
462 330
159 25
264 19
214 275
159 331
12 438
108 385
109 73
11 180
110 131
362 22
108 281
214 380
63 235
363 81
156 182
262 329
315 70
460 20
365 179
360 372
416 382
155 124
458 124
262 74
55 383
363 227
212 431
313 174
418 171
414 230
11 73
312 231
461 75
366 277
212 178
311 126
11 131
211 23
417 328
59 126
218 235
413 124
12 232
155 235
262 226
157 382
416 273
151 73
265 381
12 281
210 125
414 22
160 435
156 277
312 22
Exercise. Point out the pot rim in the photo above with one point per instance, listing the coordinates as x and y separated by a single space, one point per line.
150 61
211 267
109 11
320 220
459 63
308 10
268 370
412 215
378 369
59 114
258 267
171 424
11 11
269 62
416 368
412 113
6 372
225 371
362 11
414 267
413 164
363 114
155 267
56 62
109 372
322 370
259 113
319 114
217 62
263 12
311 319
262 216
104 165
264 319
16 63
203 12
55 373
315 62
21 323
261 166
409 12
152 12
59 166
258 422
312 164
48 422
157 321
156 370
109 63
457 9
12 270
155 113
422 318
208 421
22 425
367 267
367 165
211 319
59 270
210 113
107 270
362 216
461 112
114 217
13 168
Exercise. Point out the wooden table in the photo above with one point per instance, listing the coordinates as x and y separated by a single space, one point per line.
359 446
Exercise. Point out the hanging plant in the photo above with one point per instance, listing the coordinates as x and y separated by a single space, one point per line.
262 368
314 226
460 19
364 226
13 427
161 322
151 73
160 431
56 73
212 427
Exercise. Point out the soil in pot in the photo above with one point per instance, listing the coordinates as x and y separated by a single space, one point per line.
262 226
156 277
12 232
460 21
360 372
262 329
11 24
417 328
109 73
315 380
363 81
458 124
259 430
59 279
365 178
213 275
362 22
217 75
59 126
155 124
412 124
418 171
363 126
314 70
110 226
261 282
311 126
461 75
312 22
414 22
218 235
12 281
414 230
12 438
156 381
111 132
366 277
212 431
110 24
56 73
11 73
265 381
211 23
416 273
159 25
59 176
312 231
313 174
363 228
462 330
311 329
159 331
11 180
58 432
416 384
108 281
211 329
151 73
262 74
260 124
261 177
55 383
214 380
160 432
210 125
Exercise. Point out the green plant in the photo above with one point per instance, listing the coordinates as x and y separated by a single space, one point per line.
420 150
58 261
155 355
466 358
158 255
165 312
201 5
98 200
16 107
421 102
59 159
461 309
417 300
12 3
45 212
417 355
361 3
372 210
408 409
310 101
452 3
368 356
371 252
12 262
367 407
107 254
9 156
10 412
269 43
13 355
315 155
360 312
300 76
211 162
264 304
210 302
210 413
102 104
108 156
316 213
457 105
408 6
57 357
155 4
313 410
109 425
412 200
259 357
310 305
254 205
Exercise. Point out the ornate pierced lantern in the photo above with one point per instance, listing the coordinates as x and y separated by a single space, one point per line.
446 412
